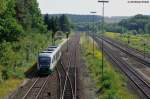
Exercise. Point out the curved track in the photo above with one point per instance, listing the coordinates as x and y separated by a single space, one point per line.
67 71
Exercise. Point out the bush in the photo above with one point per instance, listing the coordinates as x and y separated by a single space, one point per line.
107 84
10 30
5 74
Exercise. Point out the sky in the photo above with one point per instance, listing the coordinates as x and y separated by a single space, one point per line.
113 8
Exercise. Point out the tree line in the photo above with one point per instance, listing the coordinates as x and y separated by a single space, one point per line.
55 23
19 16
138 24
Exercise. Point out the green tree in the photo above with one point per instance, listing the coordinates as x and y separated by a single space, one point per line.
10 30
3 5
147 28
29 15
54 27
64 24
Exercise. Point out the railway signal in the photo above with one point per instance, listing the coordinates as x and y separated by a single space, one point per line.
103 2
67 35
88 30
144 45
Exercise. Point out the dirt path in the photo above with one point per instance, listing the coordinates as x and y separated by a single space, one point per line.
86 86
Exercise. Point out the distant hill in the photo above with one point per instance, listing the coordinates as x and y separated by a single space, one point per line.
89 18
80 18
115 19
81 22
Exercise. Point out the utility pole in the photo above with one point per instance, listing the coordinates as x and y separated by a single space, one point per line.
93 31
128 39
102 44
88 28
144 40
144 50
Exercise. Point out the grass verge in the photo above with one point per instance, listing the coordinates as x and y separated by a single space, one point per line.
136 41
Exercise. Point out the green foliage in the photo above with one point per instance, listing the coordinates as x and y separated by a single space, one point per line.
114 28
16 43
9 12
136 41
55 23
8 86
17 55
3 4
28 14
64 24
147 28
10 30
137 23
47 21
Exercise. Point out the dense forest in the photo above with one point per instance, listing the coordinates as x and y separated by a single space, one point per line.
138 24
23 33
80 22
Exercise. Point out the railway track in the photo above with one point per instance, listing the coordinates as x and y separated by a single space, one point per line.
136 54
36 88
61 76
131 74
67 72
144 55
137 79
62 81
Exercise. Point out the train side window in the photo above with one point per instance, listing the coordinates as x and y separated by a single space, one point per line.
57 55
53 59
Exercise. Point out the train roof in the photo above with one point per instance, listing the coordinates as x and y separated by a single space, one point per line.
51 50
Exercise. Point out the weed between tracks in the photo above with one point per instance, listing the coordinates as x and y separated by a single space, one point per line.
113 85
8 86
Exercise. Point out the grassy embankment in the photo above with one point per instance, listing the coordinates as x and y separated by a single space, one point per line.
19 57
136 41
113 85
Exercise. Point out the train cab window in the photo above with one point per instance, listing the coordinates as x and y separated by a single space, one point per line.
53 60
44 61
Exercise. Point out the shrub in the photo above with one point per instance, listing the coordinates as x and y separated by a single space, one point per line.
107 84
10 30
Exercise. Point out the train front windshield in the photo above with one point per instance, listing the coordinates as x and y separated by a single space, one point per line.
44 62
